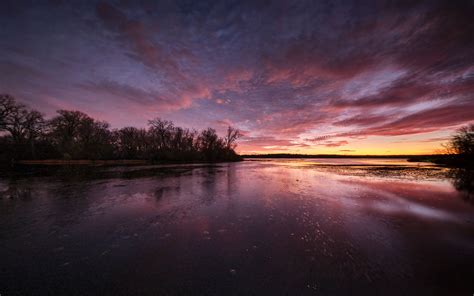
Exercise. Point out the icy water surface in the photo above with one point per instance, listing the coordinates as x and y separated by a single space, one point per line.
275 227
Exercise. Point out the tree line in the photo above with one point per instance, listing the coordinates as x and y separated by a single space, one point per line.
26 134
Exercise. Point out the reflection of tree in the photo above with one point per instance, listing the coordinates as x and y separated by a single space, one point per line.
463 181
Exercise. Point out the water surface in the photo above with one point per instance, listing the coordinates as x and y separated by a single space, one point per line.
298 227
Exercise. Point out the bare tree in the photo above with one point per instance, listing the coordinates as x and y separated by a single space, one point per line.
77 135
64 130
161 131
23 125
231 137
33 126
131 143
8 106
210 144
462 142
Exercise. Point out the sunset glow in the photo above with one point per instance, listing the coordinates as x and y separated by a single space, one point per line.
301 77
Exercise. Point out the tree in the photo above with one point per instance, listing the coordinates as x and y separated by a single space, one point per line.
231 137
161 131
210 145
460 149
131 143
77 135
23 125
462 142
33 129
95 140
8 106
64 131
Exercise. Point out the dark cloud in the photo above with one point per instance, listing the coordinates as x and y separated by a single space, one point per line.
135 33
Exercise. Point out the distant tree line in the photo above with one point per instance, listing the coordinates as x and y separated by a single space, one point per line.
26 134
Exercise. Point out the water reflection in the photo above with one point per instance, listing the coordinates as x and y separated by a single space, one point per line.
238 228
463 180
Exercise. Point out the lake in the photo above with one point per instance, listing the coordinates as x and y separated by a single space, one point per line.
276 227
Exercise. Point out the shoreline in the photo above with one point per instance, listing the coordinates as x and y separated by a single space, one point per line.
452 161
92 163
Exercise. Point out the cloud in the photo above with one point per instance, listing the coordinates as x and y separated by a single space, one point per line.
135 33
437 139
335 143
149 98
362 120
422 122
288 74
323 141
224 122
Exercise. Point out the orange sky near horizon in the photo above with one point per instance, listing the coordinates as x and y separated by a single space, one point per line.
432 143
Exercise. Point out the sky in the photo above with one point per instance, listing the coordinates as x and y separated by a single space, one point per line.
337 77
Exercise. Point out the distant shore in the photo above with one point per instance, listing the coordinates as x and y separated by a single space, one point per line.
456 161
285 155
90 162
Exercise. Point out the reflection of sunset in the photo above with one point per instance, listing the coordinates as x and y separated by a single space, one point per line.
201 226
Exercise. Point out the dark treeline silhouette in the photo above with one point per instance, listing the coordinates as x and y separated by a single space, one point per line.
462 143
26 135
459 150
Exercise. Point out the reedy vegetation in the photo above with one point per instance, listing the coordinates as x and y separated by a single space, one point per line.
26 134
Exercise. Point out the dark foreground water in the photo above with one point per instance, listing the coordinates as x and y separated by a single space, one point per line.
295 227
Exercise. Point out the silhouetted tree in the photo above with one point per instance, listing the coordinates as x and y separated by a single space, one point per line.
231 137
209 144
33 129
95 140
183 144
462 142
64 131
24 126
160 131
131 143
76 135
7 107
